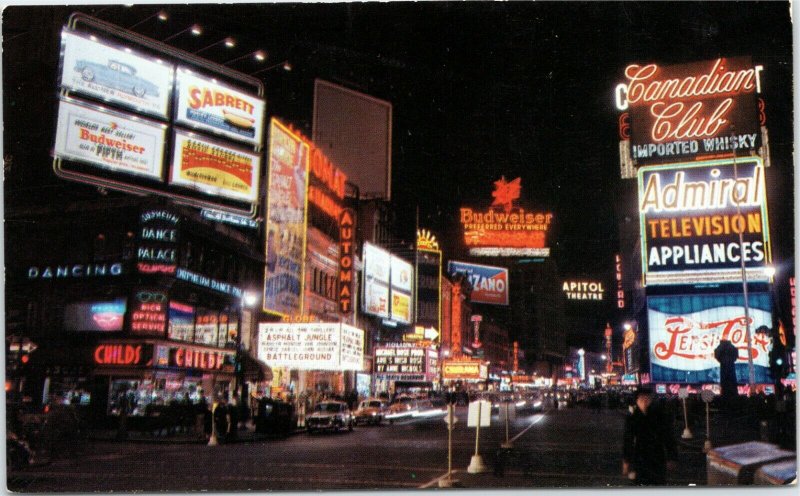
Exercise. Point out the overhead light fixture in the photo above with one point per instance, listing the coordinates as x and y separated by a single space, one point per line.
228 41
161 15
259 55
285 65
196 30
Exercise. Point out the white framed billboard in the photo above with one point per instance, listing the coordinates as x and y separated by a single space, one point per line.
215 168
402 274
115 74
376 299
351 348
206 104
316 346
401 307
377 263
110 140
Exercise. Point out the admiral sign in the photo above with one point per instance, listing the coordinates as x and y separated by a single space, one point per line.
691 216
685 111
686 329
505 230
489 284
208 105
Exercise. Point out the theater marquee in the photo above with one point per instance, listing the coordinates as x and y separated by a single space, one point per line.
692 215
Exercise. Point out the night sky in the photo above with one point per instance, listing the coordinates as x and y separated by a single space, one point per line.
484 90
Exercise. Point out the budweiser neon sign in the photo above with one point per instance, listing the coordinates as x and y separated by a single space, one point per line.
503 225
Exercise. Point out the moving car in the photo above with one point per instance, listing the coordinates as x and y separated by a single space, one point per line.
116 75
403 406
330 415
370 411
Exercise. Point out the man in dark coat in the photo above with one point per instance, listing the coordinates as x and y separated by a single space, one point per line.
727 354
649 444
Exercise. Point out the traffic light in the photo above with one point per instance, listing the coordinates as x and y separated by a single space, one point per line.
778 360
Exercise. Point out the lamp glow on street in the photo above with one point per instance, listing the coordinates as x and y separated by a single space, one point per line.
627 326
603 357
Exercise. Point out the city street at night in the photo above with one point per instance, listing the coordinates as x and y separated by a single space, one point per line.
562 448
306 246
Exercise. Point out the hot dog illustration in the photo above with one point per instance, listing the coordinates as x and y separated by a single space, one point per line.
237 119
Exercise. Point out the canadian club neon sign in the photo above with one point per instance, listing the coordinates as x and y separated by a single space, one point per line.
691 109
505 230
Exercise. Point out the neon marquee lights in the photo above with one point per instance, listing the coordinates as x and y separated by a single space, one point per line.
690 110
504 226
714 193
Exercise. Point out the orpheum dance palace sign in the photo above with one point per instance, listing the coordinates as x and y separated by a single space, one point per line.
692 216
505 230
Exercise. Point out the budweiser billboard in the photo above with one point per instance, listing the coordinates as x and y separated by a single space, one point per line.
686 329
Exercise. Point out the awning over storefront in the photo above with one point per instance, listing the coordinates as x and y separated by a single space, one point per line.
255 370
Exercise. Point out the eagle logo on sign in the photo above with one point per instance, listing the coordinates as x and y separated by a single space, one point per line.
506 192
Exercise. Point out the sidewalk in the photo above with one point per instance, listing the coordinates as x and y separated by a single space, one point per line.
246 434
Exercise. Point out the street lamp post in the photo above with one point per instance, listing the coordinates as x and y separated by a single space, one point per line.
248 300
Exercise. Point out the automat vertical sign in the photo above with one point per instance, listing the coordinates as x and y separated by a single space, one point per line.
286 221
346 239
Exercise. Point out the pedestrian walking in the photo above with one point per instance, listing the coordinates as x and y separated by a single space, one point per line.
650 447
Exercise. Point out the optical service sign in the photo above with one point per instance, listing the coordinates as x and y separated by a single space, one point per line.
489 284
109 140
686 329
119 76
686 111
211 106
691 216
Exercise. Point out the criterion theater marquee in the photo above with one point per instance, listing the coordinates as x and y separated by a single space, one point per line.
503 229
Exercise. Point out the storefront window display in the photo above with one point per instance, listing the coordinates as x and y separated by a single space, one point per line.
143 394
207 327
181 321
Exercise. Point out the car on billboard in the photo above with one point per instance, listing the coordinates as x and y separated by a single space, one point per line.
371 411
330 415
116 75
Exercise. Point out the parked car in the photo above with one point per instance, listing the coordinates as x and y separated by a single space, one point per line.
330 415
370 411
117 75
